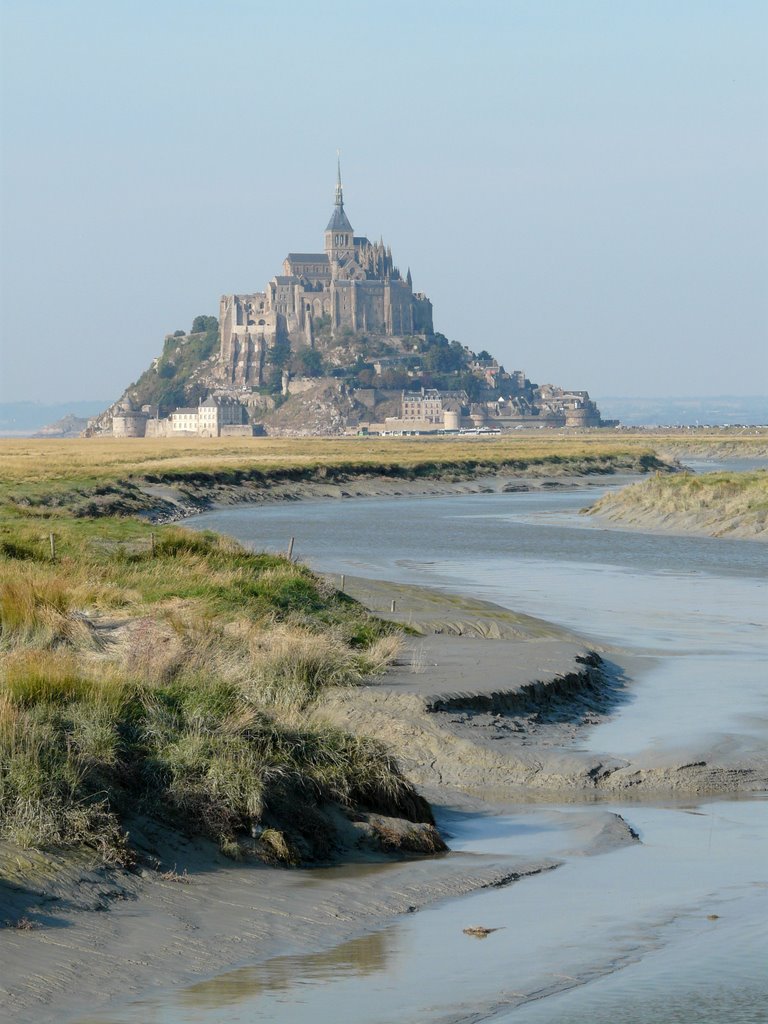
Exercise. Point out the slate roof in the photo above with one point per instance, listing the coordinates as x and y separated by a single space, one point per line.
307 257
339 220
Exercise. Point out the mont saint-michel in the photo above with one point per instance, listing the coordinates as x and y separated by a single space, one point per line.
338 342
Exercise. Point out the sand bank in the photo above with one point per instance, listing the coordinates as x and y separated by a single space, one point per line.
489 700
728 504
187 911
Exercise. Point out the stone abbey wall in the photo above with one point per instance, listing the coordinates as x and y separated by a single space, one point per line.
353 282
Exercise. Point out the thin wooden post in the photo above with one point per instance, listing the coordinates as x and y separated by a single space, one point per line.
342 582
392 608
290 548
52 538
152 543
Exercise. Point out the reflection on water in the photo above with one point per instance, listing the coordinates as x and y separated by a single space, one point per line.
716 974
359 957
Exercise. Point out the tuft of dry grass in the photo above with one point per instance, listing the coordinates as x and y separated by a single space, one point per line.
21 924
291 665
172 875
275 848
421 838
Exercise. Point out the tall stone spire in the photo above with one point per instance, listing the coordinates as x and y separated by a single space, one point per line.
339 190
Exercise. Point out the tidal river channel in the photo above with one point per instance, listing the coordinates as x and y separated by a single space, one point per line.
674 928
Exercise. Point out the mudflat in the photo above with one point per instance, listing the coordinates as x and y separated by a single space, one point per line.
482 703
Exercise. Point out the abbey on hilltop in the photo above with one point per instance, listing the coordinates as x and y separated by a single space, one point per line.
352 285
337 343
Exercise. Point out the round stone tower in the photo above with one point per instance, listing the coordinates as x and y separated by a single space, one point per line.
128 421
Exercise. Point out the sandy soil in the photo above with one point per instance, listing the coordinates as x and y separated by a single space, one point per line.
700 524
484 703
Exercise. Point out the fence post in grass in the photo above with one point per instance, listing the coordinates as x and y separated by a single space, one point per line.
289 556
392 607
152 543
342 583
53 546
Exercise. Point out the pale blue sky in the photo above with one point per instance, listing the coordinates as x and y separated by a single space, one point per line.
580 187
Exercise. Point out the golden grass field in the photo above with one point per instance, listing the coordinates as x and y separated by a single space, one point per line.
37 462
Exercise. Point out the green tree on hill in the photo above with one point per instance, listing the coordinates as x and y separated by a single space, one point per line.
278 358
311 362
203 324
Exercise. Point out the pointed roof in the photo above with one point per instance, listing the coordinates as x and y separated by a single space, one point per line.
339 220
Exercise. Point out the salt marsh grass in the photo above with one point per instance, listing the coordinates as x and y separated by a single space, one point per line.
177 685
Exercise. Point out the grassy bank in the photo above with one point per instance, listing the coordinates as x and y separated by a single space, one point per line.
717 504
179 683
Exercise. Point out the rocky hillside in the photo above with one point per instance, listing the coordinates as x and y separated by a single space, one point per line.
343 380
179 376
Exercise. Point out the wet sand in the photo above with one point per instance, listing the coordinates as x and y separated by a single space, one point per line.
489 700
174 503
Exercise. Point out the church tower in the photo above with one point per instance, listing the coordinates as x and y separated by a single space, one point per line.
339 237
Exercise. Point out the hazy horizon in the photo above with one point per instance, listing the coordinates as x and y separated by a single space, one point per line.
580 189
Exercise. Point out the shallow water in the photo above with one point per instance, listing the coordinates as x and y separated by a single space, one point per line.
618 925
622 937
695 607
